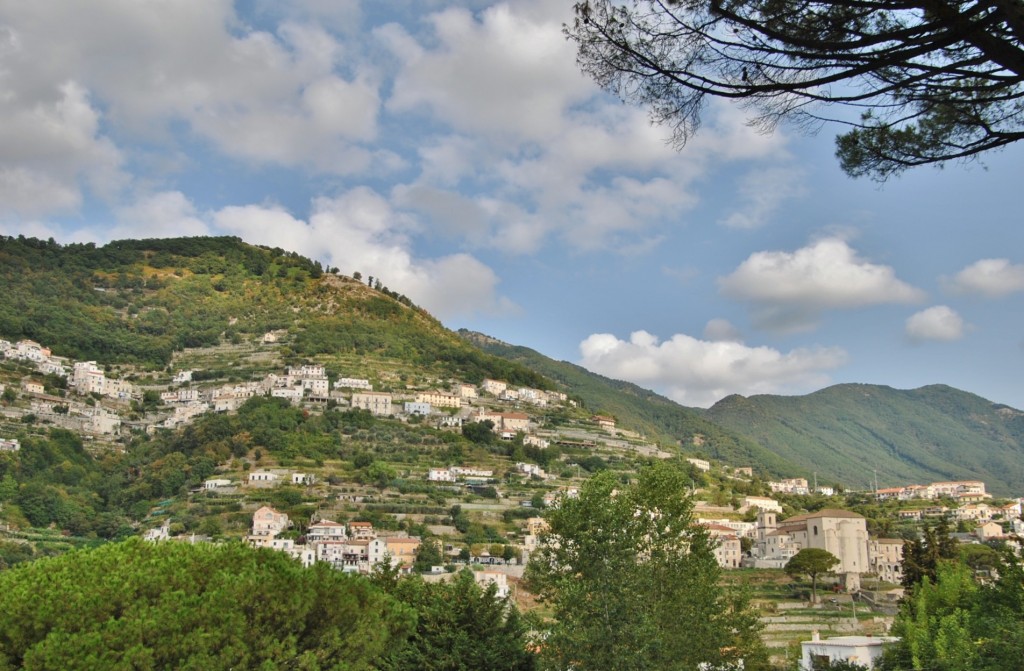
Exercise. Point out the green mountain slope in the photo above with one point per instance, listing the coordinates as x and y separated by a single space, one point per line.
643 410
137 302
850 432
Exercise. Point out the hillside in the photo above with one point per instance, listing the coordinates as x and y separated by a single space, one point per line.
850 432
643 410
137 302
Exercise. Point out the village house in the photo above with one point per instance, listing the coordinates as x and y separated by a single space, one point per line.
885 558
326 530
361 531
263 478
466 391
182 377
416 408
728 551
514 422
401 551
989 531
471 472
353 383
790 486
9 445
819 653
701 464
493 387
439 399
267 522
216 483
303 479
32 386
604 421
536 441
532 470
378 403
440 475
761 503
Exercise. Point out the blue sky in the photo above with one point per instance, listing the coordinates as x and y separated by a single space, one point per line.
454 151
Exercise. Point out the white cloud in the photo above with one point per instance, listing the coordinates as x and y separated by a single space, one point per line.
166 214
788 291
51 148
360 231
506 73
261 96
938 323
761 193
699 372
992 278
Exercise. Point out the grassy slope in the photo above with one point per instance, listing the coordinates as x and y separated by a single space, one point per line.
850 431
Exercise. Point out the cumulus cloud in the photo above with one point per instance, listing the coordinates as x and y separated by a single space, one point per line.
506 72
359 230
267 97
164 214
699 372
992 278
788 291
51 149
939 323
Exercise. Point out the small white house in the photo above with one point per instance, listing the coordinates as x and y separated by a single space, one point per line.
216 483
863 650
303 478
263 478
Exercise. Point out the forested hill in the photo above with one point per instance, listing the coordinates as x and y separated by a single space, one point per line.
139 301
853 431
643 410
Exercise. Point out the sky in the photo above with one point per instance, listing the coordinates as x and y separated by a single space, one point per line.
454 151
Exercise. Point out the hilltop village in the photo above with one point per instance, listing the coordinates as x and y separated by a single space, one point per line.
752 520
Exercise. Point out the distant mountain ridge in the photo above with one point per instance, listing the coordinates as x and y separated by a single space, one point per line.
851 432
846 434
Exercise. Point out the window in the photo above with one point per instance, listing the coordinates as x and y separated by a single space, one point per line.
815 529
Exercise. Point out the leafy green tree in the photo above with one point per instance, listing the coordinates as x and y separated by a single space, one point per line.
136 605
811 562
633 583
460 627
933 80
921 556
429 555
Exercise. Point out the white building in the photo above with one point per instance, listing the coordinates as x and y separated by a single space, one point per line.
702 464
440 475
352 383
216 483
862 650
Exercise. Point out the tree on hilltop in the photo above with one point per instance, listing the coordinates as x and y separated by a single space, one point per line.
933 80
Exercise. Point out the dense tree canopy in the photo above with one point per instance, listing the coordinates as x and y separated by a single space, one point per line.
460 627
953 623
633 583
933 80
139 605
